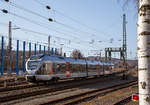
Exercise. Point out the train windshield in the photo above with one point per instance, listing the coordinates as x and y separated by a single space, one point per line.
32 65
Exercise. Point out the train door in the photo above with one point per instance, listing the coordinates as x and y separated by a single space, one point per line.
103 68
98 69
67 69
86 69
49 68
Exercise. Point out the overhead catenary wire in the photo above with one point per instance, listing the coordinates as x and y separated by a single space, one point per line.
41 34
63 23
5 11
22 17
37 23
48 19
46 34
24 9
60 23
38 42
69 17
75 20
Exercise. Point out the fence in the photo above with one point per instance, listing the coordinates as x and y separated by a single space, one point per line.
21 51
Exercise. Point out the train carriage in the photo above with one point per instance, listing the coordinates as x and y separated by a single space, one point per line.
78 68
94 68
45 68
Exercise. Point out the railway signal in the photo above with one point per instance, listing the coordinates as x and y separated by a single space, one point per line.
135 97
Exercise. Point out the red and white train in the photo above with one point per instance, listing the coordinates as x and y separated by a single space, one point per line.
46 68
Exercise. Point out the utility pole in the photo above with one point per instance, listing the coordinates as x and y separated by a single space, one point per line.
124 45
122 50
10 48
49 45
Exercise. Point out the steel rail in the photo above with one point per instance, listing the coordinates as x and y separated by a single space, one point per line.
48 90
70 100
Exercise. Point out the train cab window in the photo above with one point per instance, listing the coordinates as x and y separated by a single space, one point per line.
32 65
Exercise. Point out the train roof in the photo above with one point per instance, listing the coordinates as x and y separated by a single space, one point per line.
75 61
53 58
67 59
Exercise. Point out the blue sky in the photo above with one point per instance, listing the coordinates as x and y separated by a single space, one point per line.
97 21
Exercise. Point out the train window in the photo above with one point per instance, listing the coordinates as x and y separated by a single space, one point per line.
55 67
32 65
63 68
59 68
82 68
72 67
92 68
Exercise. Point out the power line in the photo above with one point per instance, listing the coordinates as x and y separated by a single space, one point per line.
32 12
34 22
5 11
70 27
76 21
45 34
49 19
63 23
27 10
73 19
41 34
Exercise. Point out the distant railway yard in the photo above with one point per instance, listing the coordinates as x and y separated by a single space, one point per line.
105 90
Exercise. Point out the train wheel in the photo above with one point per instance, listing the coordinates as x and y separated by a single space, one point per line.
55 80
45 82
83 78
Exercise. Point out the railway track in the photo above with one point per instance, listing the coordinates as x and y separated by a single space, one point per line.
27 85
22 84
74 99
46 90
12 82
124 101
18 87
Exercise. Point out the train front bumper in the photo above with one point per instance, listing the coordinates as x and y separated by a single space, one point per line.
30 78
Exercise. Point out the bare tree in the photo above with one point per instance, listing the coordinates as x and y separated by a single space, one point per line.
76 54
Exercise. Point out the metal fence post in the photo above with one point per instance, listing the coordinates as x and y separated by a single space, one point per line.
29 49
52 51
17 64
39 49
55 51
2 56
24 56
35 49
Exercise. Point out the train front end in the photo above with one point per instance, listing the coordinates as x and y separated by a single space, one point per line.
32 66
